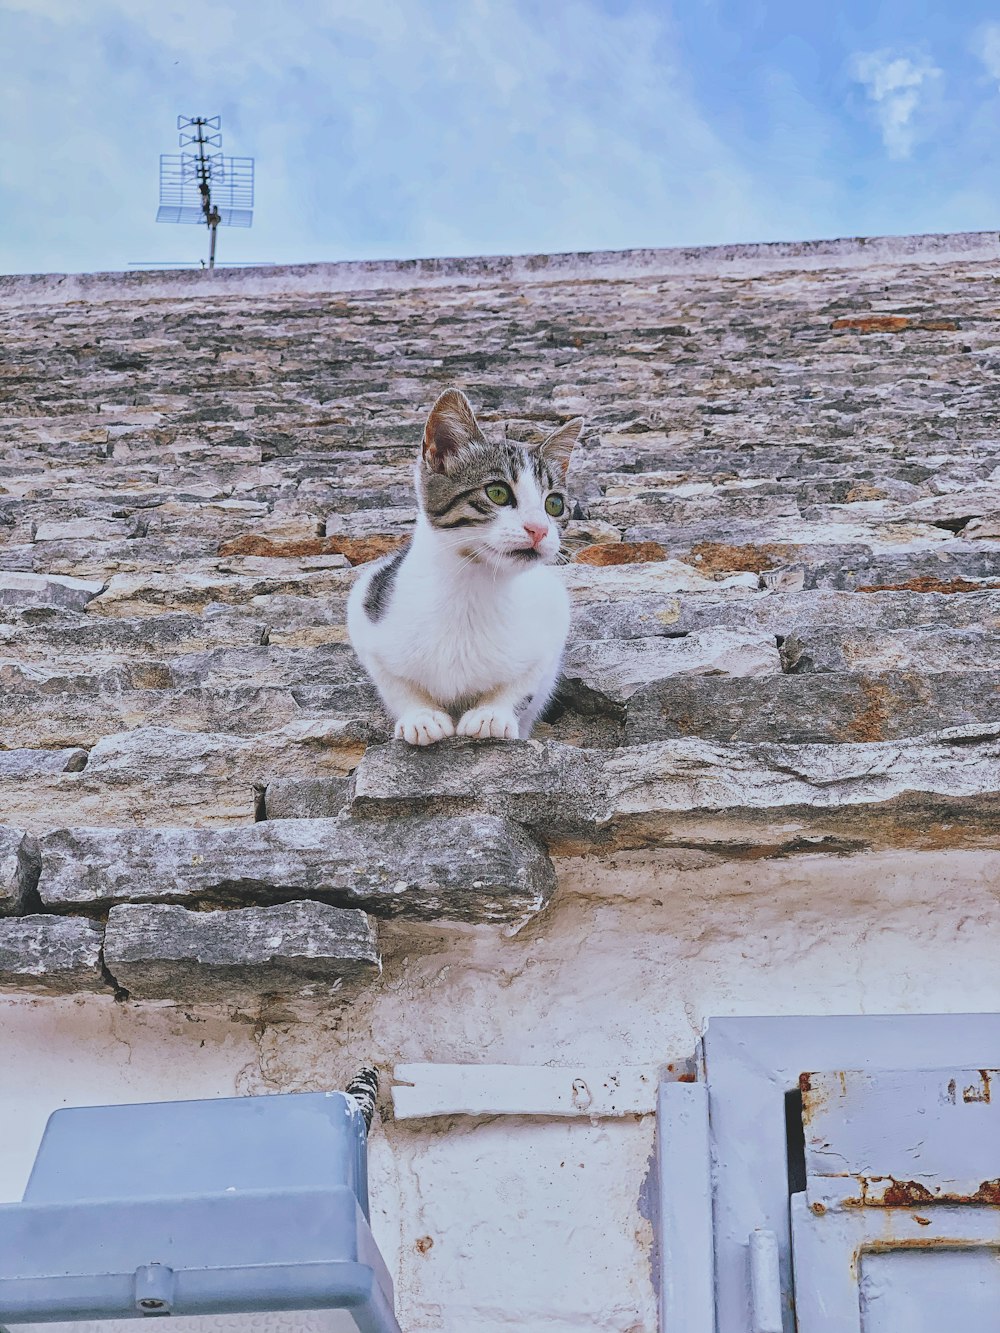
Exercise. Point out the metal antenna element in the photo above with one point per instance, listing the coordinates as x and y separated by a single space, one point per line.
363 1087
204 186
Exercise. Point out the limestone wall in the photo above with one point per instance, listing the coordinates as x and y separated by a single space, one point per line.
769 784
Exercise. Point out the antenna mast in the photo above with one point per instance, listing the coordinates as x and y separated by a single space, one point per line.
187 181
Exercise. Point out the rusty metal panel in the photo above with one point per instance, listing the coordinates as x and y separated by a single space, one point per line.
901 1138
896 1270
753 1067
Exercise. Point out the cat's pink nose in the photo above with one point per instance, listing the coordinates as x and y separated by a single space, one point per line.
536 531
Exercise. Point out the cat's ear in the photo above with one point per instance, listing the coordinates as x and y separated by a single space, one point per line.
450 427
557 448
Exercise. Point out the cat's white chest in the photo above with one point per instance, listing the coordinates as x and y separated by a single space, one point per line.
463 639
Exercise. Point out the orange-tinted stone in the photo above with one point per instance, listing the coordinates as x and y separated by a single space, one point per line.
872 323
358 550
719 557
621 553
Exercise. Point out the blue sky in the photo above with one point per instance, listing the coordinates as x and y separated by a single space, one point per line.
399 128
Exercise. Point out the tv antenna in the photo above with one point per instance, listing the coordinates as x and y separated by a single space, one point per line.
203 186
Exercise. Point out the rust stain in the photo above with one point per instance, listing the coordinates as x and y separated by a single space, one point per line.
988 1192
870 723
620 553
905 1193
872 323
929 583
893 324
719 557
980 1094
818 1208
921 1221
933 836
908 1193
913 1243
358 550
805 1083
687 1078
424 1243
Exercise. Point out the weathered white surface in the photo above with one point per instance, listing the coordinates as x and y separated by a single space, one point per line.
419 1091
634 952
380 274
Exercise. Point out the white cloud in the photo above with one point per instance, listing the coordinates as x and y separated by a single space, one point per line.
380 127
896 86
987 47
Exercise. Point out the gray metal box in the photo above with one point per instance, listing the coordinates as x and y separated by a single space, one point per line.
245 1214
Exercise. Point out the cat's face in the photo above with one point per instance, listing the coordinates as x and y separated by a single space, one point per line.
499 505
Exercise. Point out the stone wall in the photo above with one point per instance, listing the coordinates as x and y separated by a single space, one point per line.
769 783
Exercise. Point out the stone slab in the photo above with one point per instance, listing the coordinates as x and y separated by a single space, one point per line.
51 955
23 765
19 868
306 798
615 670
941 790
476 868
26 589
832 707
303 950
785 613
926 650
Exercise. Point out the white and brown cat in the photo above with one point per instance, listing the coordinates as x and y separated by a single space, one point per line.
463 631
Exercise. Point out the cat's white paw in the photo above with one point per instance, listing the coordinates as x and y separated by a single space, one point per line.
424 726
481 723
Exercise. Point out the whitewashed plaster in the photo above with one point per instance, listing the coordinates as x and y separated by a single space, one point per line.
539 1224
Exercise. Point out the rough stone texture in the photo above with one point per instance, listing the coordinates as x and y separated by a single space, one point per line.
19 867
306 798
297 950
51 955
925 650
808 433
476 868
833 707
799 441
18 588
739 800
165 557
614 670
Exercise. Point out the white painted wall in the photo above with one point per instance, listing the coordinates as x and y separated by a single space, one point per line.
490 1224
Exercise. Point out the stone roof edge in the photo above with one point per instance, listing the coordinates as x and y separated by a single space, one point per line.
743 260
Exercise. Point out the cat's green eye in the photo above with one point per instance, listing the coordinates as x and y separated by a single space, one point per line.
554 505
499 493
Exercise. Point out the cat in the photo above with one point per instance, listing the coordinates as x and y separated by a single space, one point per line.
463 631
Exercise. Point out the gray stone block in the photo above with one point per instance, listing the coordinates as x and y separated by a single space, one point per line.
784 613
294 950
27 589
473 868
824 707
610 672
21 765
735 800
51 955
19 867
306 798
925 650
